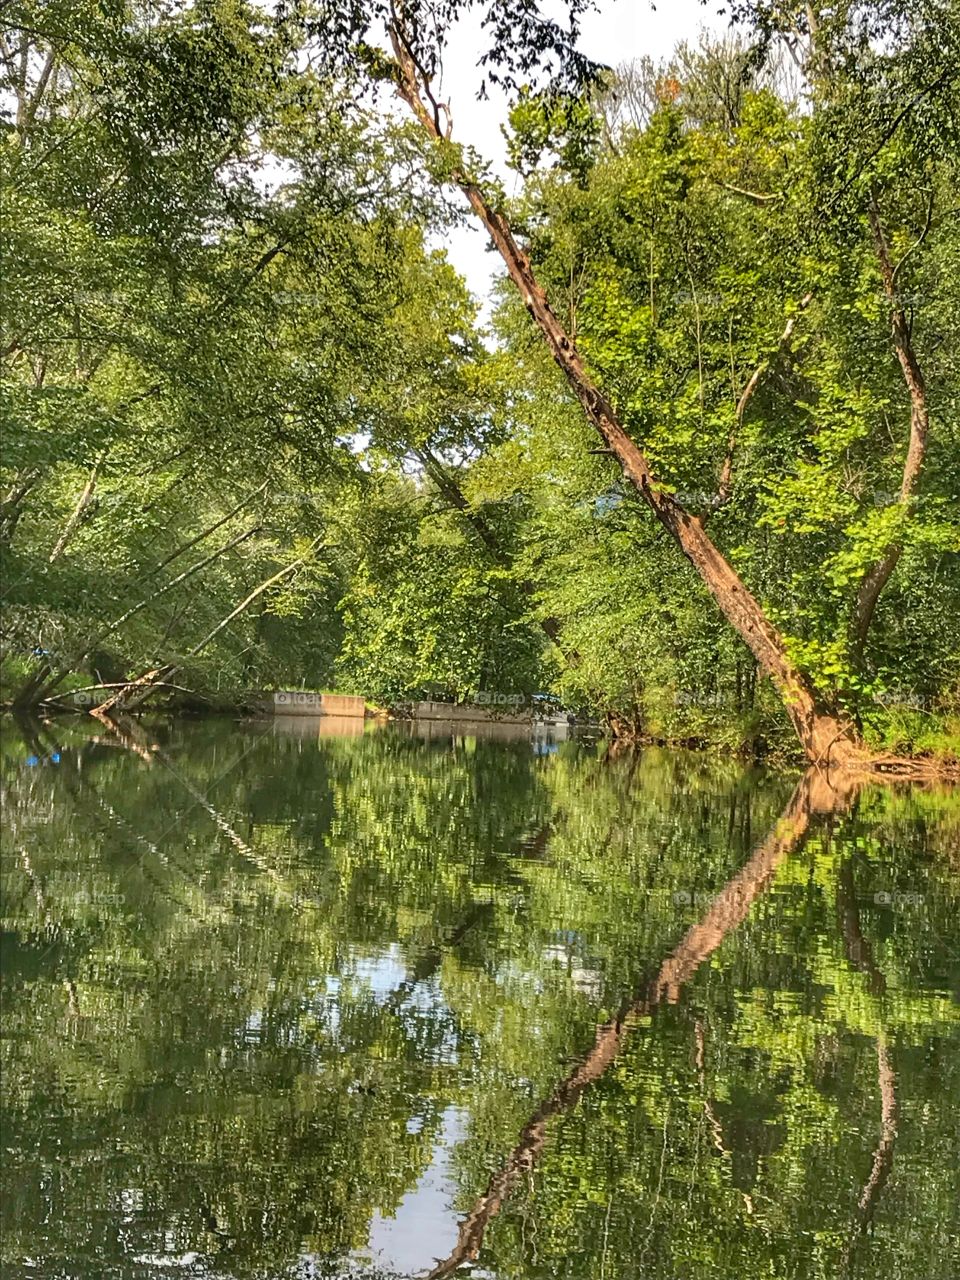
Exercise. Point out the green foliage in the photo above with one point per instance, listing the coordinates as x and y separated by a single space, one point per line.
690 270
565 126
262 992
188 337
426 612
222 305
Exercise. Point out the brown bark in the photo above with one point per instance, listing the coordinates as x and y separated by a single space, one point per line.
823 737
729 909
860 957
883 1155
877 578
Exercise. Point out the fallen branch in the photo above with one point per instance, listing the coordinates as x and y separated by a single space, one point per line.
40 687
155 678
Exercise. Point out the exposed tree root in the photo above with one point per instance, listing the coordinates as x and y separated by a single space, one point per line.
859 763
893 768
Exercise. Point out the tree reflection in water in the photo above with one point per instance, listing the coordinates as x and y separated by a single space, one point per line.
261 992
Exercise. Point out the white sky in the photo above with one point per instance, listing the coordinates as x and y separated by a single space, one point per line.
619 31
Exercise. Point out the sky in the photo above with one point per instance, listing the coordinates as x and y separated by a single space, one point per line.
620 30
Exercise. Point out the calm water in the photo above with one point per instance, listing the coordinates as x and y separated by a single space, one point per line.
285 1006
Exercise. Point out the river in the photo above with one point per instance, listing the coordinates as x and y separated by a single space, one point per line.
283 1004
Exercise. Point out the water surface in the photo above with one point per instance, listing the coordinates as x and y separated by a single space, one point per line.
279 1004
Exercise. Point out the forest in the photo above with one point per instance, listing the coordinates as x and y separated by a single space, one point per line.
694 472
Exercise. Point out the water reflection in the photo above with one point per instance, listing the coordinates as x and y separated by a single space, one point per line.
283 1005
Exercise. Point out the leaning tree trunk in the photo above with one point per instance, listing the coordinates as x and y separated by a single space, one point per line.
452 494
86 497
823 737
42 685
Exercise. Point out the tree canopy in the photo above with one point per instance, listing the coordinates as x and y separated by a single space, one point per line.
256 434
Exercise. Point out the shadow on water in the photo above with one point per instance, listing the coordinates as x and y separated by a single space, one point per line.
284 1003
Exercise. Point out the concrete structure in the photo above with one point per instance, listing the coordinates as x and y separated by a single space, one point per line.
298 703
465 713
483 730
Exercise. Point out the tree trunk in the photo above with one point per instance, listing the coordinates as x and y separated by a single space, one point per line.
860 957
11 504
726 471
147 683
452 493
44 682
823 737
877 578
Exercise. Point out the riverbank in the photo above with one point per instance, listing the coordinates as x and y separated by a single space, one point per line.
902 745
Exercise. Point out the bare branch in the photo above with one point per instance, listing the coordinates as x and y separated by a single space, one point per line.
86 496
757 197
